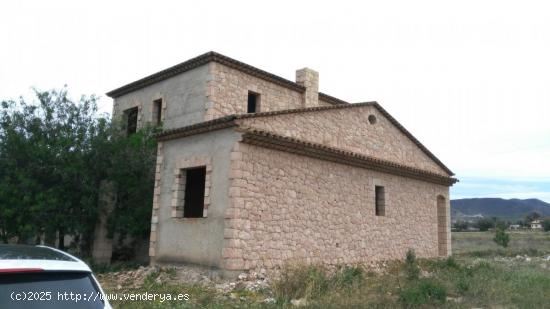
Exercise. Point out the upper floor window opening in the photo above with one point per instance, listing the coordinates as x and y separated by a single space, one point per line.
253 102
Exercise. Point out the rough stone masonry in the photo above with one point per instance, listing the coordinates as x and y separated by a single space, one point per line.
255 171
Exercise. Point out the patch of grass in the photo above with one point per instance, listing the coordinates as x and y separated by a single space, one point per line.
451 262
411 267
199 297
462 285
471 279
503 253
150 278
476 282
348 276
344 287
298 281
100 268
482 244
422 292
171 271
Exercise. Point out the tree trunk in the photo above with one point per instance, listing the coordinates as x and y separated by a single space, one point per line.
50 238
61 240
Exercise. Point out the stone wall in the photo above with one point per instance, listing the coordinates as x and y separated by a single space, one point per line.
191 240
227 93
349 129
292 208
183 96
178 188
208 92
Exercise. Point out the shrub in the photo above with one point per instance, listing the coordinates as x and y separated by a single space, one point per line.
300 281
501 238
433 290
450 262
423 292
313 282
462 286
348 276
411 267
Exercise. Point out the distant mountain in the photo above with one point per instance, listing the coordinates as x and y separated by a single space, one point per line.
512 209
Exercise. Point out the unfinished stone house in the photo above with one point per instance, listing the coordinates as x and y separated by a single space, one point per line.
254 170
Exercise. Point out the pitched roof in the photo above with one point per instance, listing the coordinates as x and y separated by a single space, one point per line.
320 151
219 58
229 121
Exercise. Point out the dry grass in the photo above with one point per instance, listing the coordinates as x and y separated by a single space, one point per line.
481 275
482 244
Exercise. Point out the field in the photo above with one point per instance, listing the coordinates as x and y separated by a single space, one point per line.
479 275
481 243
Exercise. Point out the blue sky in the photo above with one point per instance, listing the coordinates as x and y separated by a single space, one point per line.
469 187
469 79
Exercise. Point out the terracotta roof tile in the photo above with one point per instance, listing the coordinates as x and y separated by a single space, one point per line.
216 123
293 145
219 58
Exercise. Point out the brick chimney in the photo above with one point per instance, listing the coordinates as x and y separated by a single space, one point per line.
309 79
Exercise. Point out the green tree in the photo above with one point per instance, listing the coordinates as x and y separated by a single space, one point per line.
54 152
546 224
132 170
484 224
532 216
461 225
45 186
500 224
501 237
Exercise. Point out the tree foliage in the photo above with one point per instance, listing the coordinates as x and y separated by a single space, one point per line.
461 225
532 216
484 224
132 170
45 186
54 152
501 224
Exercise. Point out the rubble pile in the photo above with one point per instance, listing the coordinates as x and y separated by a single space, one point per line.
136 278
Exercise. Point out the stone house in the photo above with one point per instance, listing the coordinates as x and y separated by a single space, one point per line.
254 170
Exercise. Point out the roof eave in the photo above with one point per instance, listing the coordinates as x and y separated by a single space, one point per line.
200 61
228 121
319 151
413 139
218 58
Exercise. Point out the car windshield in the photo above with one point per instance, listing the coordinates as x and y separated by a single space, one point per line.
46 290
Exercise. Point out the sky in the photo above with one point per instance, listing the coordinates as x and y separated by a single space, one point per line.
470 79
